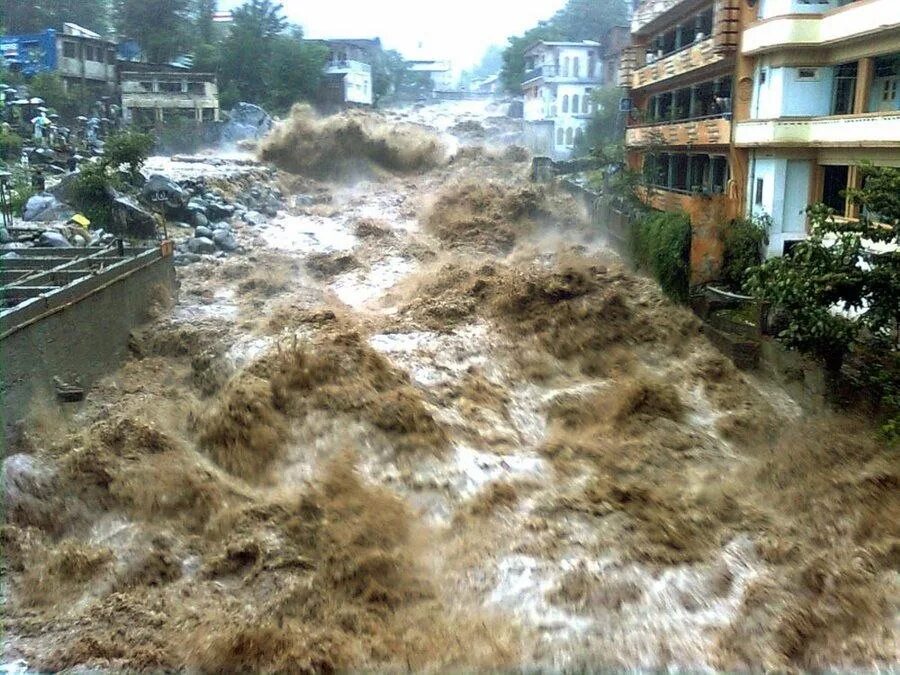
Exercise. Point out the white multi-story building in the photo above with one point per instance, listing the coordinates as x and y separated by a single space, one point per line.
348 72
824 96
560 78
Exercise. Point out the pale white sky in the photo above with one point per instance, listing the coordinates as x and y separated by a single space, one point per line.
458 30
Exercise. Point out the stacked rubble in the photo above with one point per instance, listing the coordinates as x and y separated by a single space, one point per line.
201 218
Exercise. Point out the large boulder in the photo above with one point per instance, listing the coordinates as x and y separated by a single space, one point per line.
247 122
201 245
131 219
218 211
53 239
163 193
37 204
225 240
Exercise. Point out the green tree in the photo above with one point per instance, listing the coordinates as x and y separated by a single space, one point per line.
842 285
295 71
247 53
161 27
388 73
203 20
24 16
605 132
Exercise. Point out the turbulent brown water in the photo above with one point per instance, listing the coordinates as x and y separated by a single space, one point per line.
431 423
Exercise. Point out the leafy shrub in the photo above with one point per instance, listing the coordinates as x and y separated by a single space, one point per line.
743 240
20 191
662 246
10 145
127 147
90 193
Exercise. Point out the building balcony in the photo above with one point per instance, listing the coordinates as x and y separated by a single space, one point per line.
867 130
699 55
348 66
649 11
851 22
553 73
703 131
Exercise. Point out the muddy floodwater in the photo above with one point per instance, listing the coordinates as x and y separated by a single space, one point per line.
425 419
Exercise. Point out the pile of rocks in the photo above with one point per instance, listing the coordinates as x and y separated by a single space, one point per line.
186 205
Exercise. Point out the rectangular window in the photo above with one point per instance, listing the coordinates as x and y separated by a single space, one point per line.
834 187
718 174
807 74
889 90
844 89
170 87
69 50
763 76
758 198
195 88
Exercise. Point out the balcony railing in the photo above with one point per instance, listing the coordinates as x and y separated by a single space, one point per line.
701 54
346 66
554 71
709 130
650 10
866 130
867 17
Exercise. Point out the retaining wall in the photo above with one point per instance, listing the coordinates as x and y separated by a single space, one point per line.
80 331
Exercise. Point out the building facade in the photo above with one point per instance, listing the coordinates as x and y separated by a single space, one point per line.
347 81
823 86
560 78
153 95
681 72
760 108
80 57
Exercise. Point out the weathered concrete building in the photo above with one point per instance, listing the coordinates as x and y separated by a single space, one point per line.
348 80
821 80
760 108
156 94
560 78
683 60
80 57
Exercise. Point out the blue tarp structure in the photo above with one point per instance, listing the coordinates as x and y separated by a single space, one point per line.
30 54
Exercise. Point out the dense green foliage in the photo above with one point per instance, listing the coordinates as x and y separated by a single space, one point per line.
163 28
578 20
127 147
20 190
840 289
743 240
662 246
31 16
605 132
10 145
90 192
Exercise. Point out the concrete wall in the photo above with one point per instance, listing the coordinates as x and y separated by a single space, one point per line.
785 94
785 196
770 8
358 87
87 338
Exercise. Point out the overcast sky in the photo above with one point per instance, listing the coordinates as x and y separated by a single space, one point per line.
458 30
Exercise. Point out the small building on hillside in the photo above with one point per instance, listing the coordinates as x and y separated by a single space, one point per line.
560 78
80 57
347 80
440 73
154 93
